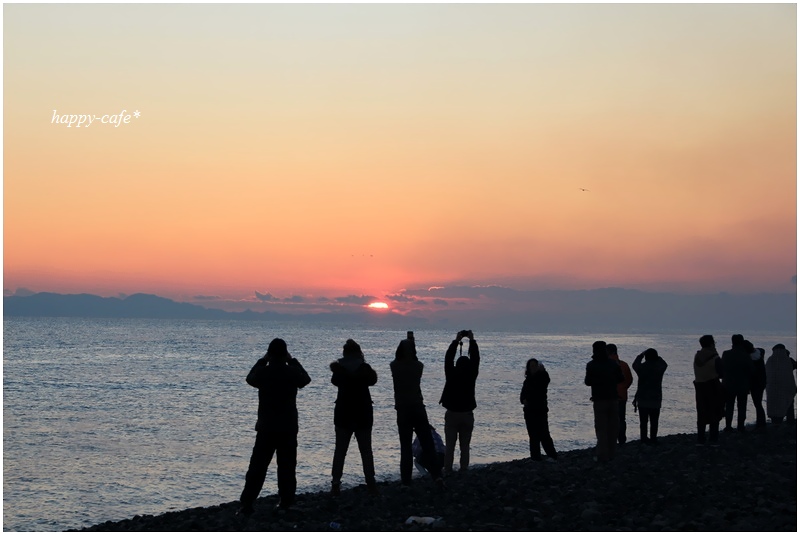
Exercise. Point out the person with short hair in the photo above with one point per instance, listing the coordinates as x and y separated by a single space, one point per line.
458 398
603 375
736 371
758 382
708 393
277 376
352 414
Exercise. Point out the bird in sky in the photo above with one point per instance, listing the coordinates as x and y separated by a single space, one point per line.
583 189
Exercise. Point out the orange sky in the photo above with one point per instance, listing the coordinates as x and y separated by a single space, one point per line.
363 149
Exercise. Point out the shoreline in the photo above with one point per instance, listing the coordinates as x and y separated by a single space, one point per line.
748 483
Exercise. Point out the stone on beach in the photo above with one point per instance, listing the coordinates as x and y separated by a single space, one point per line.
749 483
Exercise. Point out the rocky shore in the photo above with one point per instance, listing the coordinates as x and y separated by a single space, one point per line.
748 483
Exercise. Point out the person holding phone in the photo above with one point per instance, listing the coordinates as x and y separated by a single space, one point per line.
411 414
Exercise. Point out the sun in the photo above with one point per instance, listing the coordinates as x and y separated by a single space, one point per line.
378 305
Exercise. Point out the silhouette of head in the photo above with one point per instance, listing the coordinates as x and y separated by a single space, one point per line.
779 346
277 351
707 341
531 366
736 340
599 348
650 353
611 349
351 349
748 346
406 349
462 363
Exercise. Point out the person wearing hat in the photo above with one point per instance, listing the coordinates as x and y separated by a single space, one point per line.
277 376
353 413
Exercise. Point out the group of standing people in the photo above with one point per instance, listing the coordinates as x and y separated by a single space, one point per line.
610 378
720 382
278 377
723 383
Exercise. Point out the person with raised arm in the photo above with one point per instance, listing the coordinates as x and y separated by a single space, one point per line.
458 398
411 414
277 376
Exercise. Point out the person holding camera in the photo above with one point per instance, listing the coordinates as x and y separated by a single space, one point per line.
411 414
277 376
458 398
648 392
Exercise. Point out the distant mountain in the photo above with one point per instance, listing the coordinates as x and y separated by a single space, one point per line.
140 305
87 305
617 310
612 310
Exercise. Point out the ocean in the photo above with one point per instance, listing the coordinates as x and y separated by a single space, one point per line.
105 419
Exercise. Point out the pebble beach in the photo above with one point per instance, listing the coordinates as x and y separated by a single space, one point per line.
747 483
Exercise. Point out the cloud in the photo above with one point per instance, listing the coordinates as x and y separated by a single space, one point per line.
265 297
205 297
440 302
356 299
294 299
466 292
400 298
323 300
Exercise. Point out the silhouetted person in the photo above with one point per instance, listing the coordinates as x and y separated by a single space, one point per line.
603 375
758 382
411 414
708 393
736 372
458 397
622 391
781 386
421 461
277 376
648 392
353 413
534 402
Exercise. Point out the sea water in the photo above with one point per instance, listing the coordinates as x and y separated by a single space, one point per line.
105 419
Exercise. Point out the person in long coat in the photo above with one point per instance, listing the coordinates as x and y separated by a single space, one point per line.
781 386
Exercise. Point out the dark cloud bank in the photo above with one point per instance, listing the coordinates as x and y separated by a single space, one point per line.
485 308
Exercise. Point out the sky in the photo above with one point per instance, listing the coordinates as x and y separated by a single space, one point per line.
324 152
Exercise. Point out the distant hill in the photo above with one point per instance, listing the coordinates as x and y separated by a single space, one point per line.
618 310
613 310
46 304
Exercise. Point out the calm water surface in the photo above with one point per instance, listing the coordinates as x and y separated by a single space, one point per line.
107 419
